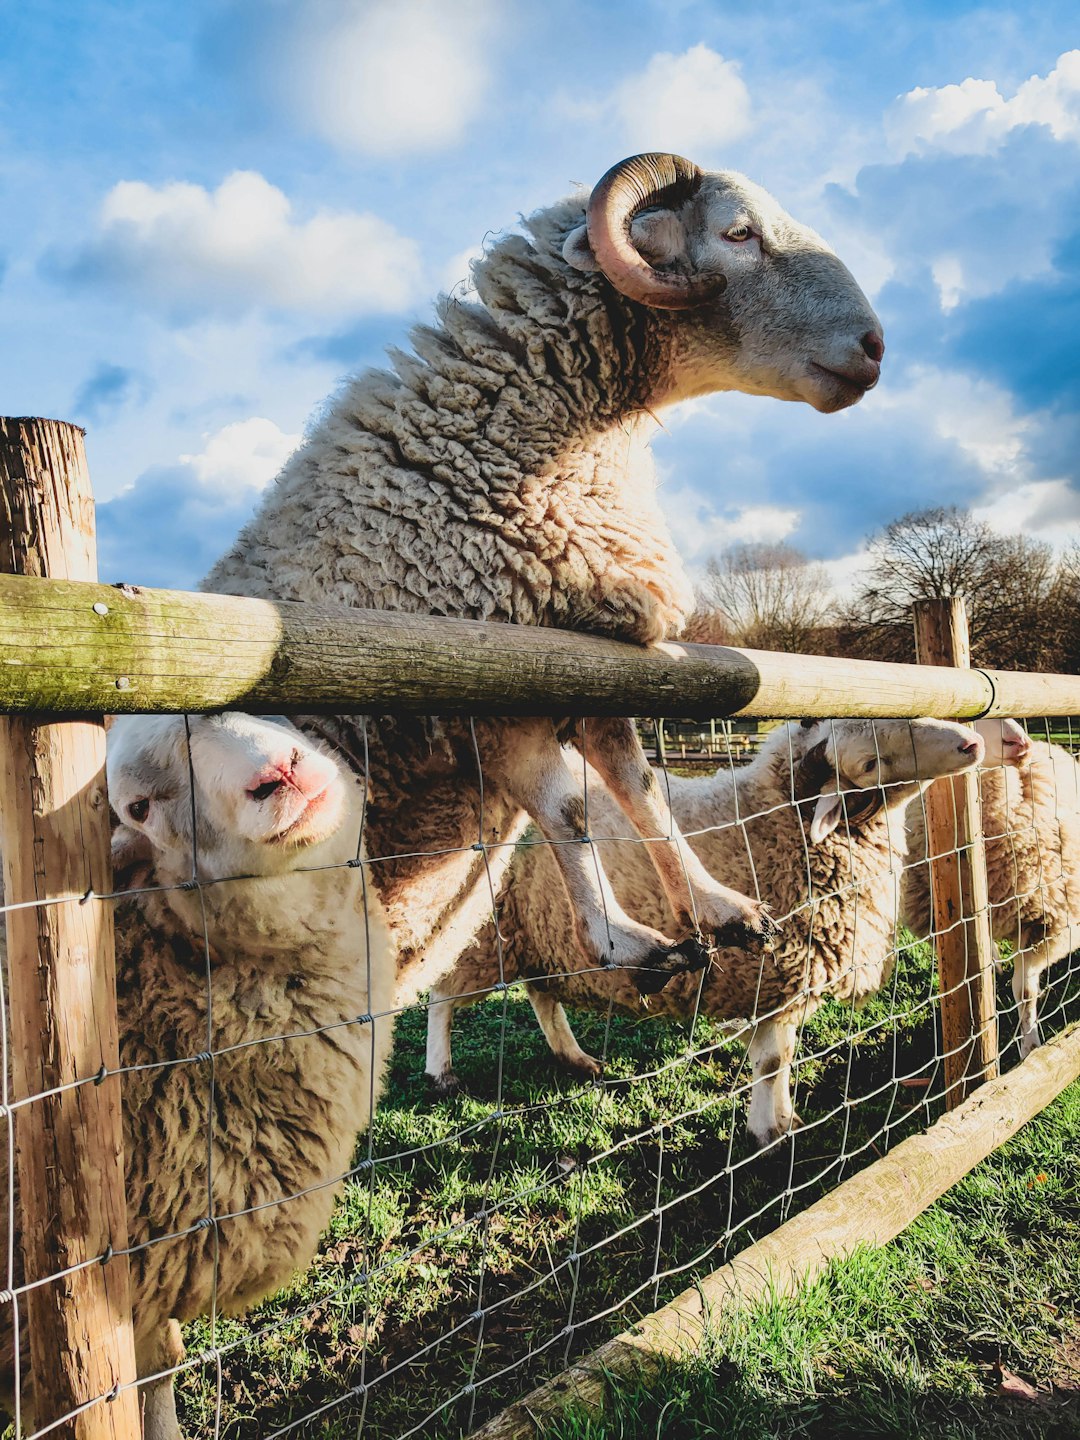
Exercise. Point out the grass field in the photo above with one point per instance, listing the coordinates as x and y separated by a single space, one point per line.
966 1328
487 1239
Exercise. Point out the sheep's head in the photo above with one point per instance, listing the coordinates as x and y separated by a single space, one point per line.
856 768
266 800
759 302
1006 742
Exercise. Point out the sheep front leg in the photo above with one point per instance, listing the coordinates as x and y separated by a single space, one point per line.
157 1397
562 1041
771 1051
439 1064
725 916
1029 962
526 758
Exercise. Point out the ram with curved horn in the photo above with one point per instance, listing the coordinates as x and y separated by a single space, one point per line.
501 472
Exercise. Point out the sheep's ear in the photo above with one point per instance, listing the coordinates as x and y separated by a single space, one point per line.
827 815
132 857
576 251
659 236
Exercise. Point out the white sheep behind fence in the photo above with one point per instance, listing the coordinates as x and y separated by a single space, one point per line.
501 472
814 824
253 1016
1030 797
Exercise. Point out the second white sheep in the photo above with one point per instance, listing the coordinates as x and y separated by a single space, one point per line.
814 825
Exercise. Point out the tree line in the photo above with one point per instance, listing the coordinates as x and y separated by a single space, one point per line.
1023 601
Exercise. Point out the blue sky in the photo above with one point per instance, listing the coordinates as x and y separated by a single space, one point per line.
212 212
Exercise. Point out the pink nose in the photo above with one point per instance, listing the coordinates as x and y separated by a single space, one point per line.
873 344
291 772
267 787
972 747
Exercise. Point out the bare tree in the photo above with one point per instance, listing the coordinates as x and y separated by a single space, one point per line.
774 597
1007 581
1063 607
709 625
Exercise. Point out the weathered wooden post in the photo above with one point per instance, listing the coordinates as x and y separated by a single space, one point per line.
54 821
961 905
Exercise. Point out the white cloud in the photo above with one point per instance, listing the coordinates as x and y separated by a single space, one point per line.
700 526
185 248
690 103
242 458
387 77
846 572
171 524
975 415
948 273
1045 509
975 118
456 277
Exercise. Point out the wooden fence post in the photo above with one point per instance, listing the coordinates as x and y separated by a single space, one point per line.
54 819
961 904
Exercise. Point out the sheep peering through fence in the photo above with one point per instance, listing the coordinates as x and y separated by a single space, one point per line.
481 1242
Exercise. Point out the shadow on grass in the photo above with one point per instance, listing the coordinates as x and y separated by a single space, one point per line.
489 1239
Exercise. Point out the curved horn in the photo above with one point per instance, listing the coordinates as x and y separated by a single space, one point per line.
624 192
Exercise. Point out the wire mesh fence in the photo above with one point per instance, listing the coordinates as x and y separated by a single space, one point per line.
267 1124
555 1172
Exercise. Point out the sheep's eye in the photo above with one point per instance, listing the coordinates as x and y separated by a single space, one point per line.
870 765
139 810
738 232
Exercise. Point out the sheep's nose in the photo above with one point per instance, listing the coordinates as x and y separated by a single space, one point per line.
972 747
873 344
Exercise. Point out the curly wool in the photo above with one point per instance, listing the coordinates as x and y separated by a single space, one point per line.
1031 825
261 1121
499 473
836 902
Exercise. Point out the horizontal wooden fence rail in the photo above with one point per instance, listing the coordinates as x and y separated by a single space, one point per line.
71 647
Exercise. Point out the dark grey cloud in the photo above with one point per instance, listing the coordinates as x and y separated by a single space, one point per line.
167 530
106 389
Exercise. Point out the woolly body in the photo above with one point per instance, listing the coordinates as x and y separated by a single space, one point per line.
1031 825
836 898
501 473
271 975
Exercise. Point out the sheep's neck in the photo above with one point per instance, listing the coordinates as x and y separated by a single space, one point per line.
502 474
273 916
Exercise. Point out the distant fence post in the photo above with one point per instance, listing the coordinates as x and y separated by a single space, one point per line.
54 820
961 904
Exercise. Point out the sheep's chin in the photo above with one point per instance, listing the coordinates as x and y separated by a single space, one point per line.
320 819
827 391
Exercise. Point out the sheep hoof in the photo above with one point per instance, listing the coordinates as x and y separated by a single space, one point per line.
689 955
755 935
585 1065
445 1085
764 1138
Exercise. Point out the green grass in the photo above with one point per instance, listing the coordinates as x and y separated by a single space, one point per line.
542 1201
909 1341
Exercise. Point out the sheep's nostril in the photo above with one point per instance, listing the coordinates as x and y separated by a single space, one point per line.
266 789
973 747
873 345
